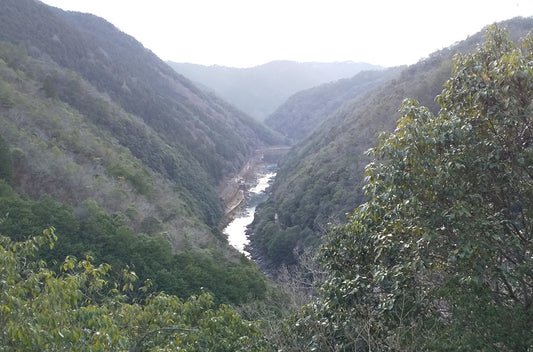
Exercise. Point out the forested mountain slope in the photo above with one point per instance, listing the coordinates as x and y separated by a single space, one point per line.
305 110
261 89
116 150
320 180
189 137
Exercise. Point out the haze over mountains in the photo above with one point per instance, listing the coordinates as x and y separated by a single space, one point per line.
259 90
305 110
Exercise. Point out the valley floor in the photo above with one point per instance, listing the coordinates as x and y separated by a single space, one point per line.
232 190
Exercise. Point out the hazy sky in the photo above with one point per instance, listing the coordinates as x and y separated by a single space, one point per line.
244 33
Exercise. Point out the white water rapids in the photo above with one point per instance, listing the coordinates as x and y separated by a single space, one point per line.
236 230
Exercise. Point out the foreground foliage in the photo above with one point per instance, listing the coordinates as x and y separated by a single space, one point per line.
81 309
441 256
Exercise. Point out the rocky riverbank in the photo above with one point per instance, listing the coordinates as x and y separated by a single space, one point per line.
232 191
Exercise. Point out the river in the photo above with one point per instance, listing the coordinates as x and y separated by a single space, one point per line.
255 195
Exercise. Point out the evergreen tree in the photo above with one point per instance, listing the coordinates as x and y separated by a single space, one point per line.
440 257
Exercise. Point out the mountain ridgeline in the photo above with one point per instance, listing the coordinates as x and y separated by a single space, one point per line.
305 110
321 178
259 90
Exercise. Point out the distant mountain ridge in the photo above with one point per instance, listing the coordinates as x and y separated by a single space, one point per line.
305 110
259 90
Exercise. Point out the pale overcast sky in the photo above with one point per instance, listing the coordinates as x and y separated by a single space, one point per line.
245 33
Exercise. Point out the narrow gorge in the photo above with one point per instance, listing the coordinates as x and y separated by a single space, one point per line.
242 193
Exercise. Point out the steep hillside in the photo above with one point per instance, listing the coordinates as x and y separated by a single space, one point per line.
61 152
260 90
305 110
320 180
189 137
103 141
58 168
